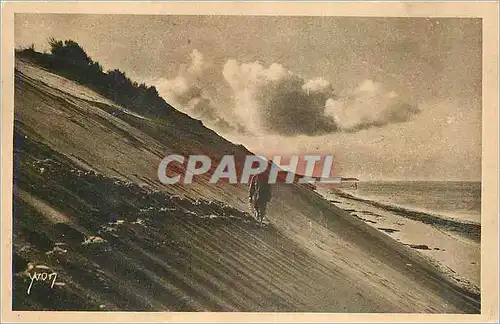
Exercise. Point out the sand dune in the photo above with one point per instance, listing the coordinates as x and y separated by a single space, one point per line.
85 173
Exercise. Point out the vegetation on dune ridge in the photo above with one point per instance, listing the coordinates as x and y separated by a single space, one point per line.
67 58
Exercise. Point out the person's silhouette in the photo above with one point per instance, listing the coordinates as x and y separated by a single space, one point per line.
260 194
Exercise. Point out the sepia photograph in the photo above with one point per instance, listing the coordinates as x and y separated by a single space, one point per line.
257 163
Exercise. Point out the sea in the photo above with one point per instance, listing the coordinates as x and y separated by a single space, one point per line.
458 200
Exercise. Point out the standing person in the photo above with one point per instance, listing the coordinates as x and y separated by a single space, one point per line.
259 194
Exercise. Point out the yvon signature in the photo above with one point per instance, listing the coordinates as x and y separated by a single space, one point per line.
42 275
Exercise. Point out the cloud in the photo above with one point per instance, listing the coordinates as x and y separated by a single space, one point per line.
203 108
369 105
186 92
317 85
186 85
197 65
275 100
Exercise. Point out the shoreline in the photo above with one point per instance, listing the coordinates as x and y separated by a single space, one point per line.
469 229
452 245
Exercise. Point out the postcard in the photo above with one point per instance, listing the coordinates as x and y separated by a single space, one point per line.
250 162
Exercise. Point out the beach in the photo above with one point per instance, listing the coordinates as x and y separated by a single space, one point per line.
451 243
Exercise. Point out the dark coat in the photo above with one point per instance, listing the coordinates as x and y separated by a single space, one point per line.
260 189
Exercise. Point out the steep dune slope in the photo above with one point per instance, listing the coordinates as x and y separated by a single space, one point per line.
88 205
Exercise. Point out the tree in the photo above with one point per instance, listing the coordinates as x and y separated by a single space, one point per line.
69 59
69 51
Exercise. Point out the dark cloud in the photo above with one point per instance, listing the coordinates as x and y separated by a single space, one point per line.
275 100
287 109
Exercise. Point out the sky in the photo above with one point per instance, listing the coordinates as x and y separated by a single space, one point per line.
389 98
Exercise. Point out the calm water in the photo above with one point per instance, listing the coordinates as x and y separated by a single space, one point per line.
455 199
